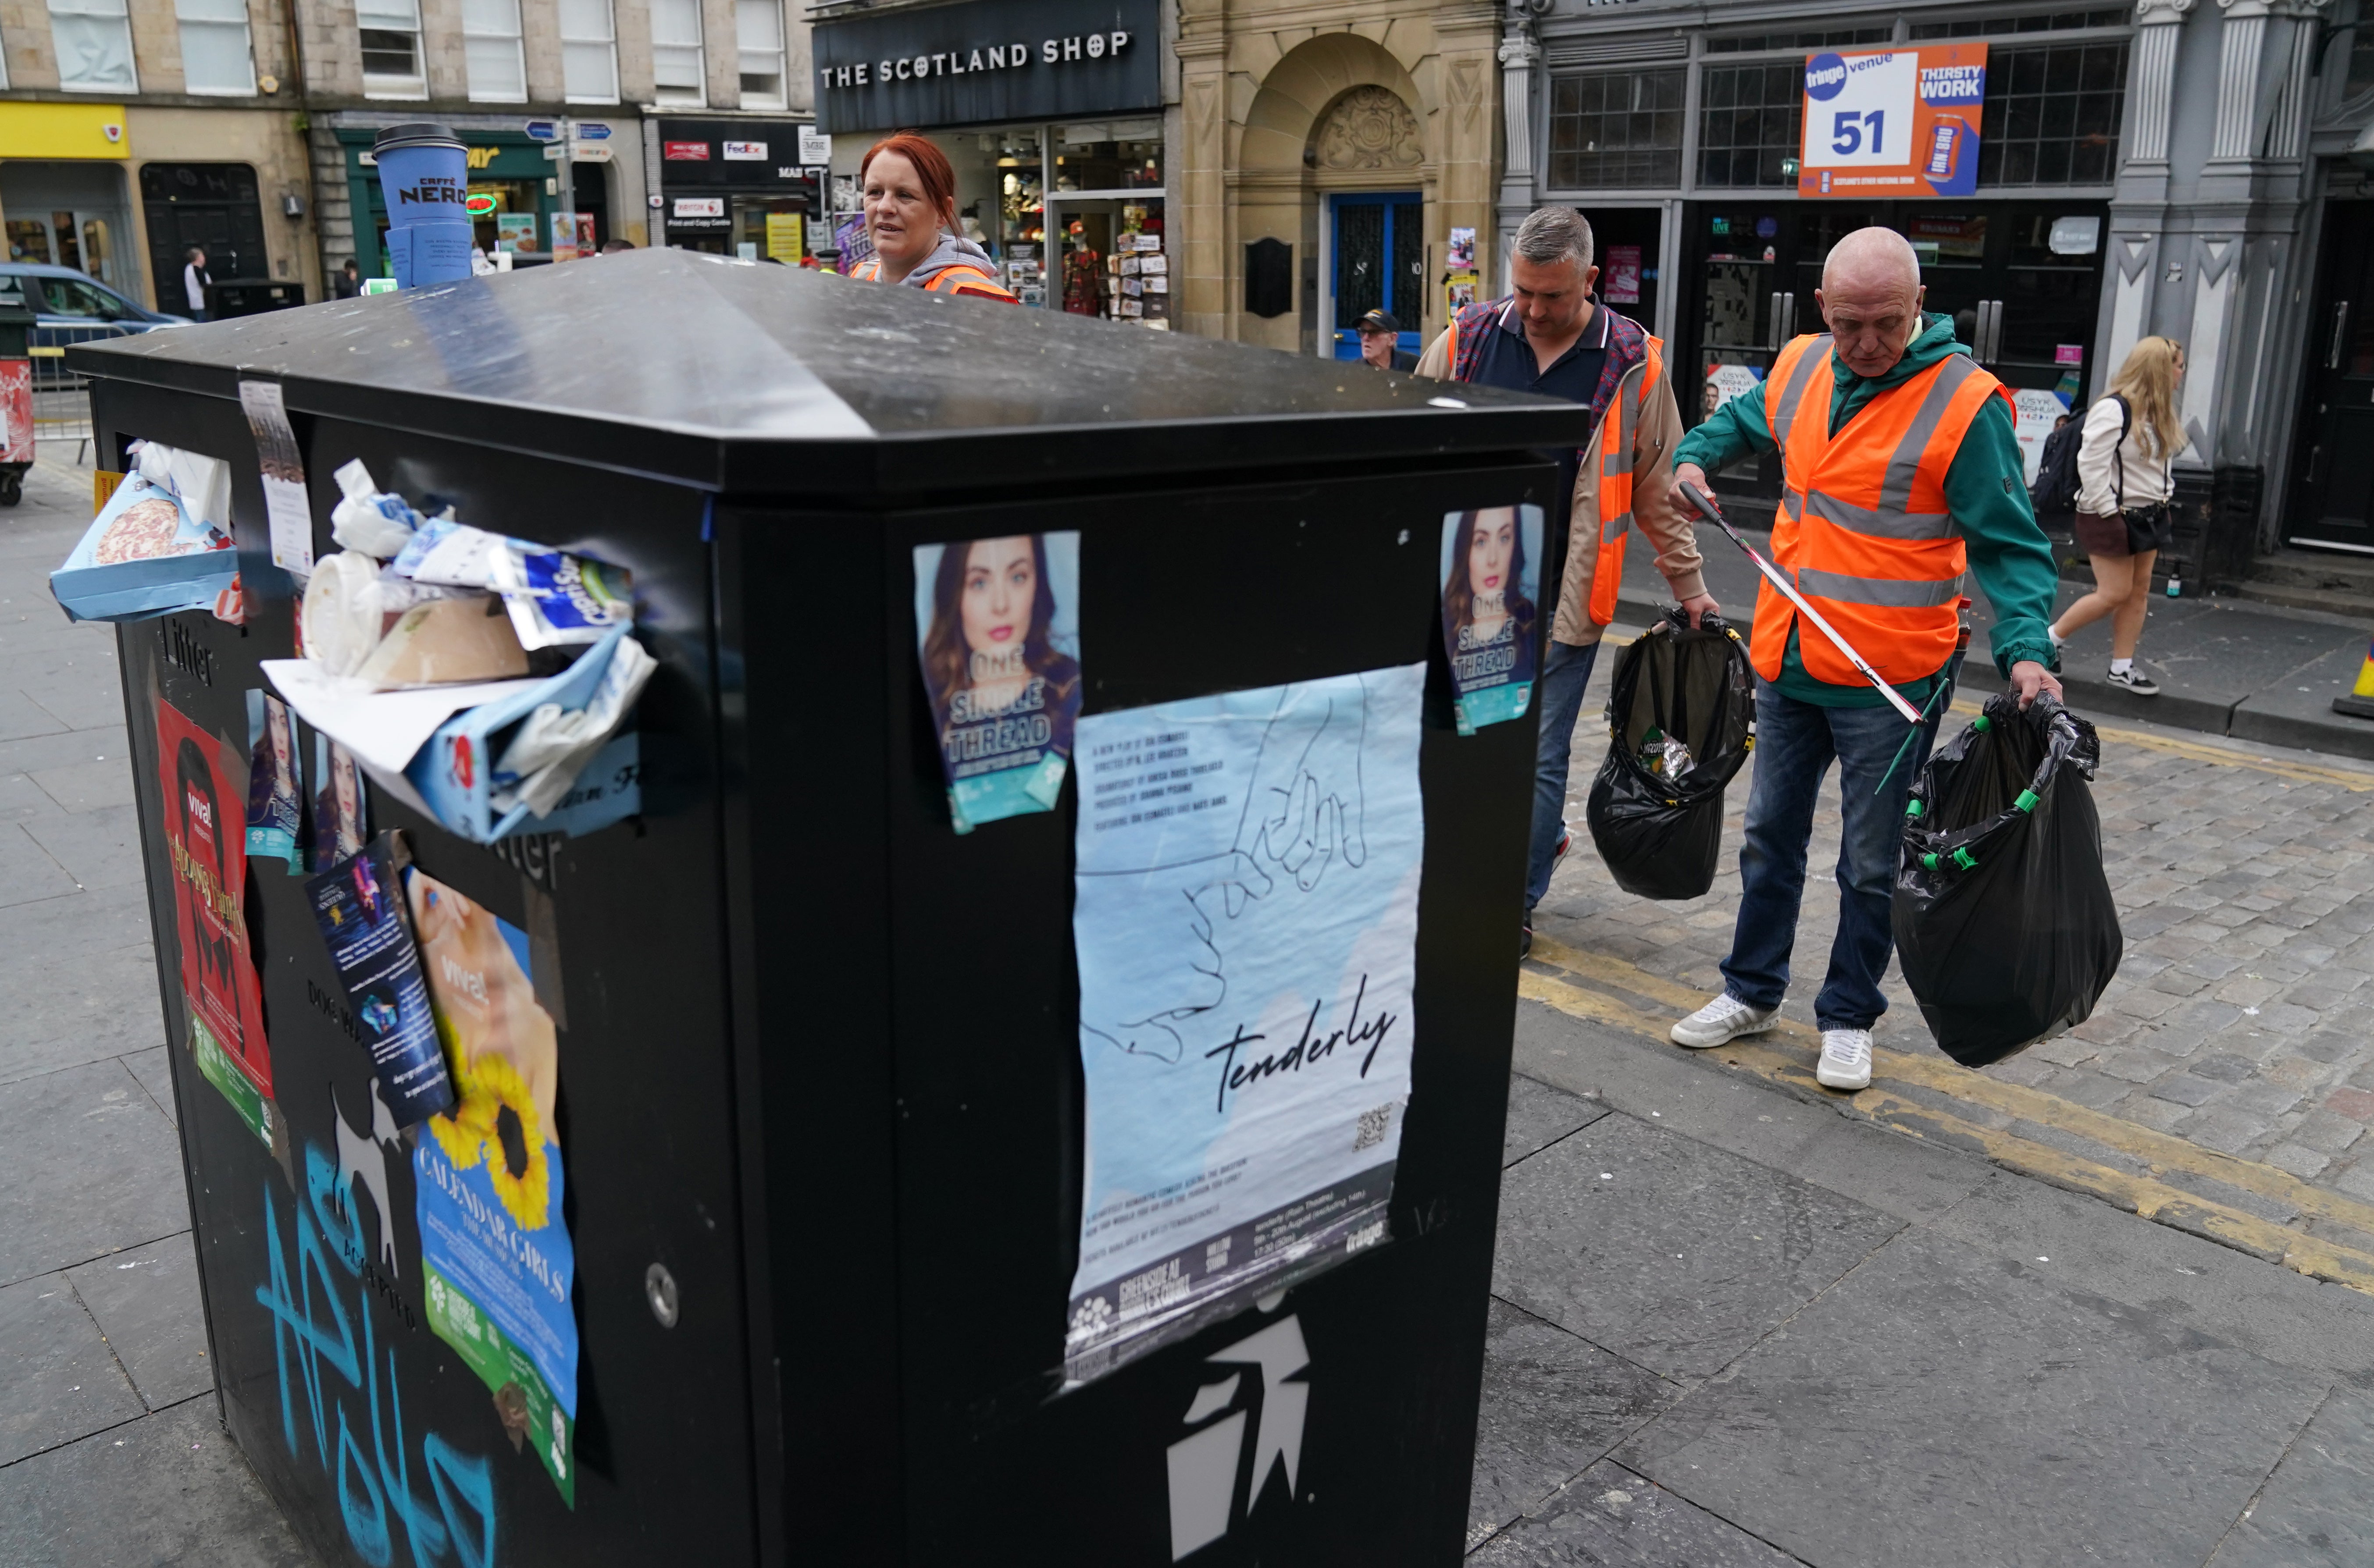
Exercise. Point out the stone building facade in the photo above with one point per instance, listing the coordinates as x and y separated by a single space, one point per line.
124 136
1358 134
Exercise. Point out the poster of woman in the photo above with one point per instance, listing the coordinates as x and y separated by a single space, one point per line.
998 624
339 824
1491 581
275 816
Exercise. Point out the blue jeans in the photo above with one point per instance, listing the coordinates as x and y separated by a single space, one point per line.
1795 744
1566 670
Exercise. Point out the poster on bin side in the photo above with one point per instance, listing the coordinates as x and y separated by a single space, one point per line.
1246 924
997 626
203 787
496 1262
1893 123
357 904
1491 581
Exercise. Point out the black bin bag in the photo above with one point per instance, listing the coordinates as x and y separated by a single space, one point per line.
2002 914
1661 833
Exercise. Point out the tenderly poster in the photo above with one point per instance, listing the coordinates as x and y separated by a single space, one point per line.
1246 922
1491 582
496 1261
202 784
997 627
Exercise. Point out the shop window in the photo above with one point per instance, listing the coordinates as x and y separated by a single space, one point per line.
2052 115
2361 59
589 52
491 47
1616 128
676 73
215 55
1748 123
93 39
759 34
1110 156
1994 25
28 240
391 43
1771 42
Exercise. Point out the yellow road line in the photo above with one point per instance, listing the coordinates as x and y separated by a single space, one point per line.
1883 1104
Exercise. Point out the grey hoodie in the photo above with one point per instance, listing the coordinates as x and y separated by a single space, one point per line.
954 250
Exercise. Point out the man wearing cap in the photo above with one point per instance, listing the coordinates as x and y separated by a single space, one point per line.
1550 337
1900 472
1380 342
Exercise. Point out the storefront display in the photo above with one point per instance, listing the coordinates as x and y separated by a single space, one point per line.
513 194
1054 136
739 188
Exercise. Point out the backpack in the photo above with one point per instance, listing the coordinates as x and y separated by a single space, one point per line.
2055 489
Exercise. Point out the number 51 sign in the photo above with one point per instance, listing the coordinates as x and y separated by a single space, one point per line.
1893 123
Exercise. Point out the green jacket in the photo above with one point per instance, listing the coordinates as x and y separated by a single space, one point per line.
1986 487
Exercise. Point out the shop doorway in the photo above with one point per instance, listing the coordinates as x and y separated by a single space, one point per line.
1379 248
2332 499
2023 280
73 214
1627 243
210 204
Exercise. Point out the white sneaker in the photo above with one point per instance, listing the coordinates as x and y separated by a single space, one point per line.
1724 1018
1846 1059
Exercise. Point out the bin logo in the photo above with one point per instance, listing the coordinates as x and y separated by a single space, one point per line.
1203 1465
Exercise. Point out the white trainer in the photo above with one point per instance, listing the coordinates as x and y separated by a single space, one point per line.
1724 1018
1846 1059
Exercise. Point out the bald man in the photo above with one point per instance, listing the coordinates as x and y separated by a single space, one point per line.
1900 473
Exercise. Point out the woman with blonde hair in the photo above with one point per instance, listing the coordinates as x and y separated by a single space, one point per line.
2125 460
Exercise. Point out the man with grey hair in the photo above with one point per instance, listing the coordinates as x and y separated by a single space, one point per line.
1900 474
1549 336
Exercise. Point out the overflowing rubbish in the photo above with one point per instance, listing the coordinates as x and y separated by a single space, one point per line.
160 543
1681 715
2003 914
481 679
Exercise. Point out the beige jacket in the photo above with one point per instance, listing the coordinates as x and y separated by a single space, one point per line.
1654 436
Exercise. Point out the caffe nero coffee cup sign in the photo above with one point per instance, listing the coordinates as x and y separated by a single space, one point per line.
987 61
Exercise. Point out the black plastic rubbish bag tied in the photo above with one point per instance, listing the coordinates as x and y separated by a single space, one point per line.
2002 914
1658 819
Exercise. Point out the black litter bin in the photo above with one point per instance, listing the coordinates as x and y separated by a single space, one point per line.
253 295
827 1093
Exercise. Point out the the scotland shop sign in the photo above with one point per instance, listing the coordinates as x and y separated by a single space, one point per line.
987 61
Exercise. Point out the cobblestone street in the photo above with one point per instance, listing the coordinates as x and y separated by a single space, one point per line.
2238 1019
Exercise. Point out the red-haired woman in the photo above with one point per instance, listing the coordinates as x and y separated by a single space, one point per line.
910 211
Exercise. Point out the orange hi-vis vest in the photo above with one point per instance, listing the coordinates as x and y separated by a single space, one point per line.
1618 336
961 277
1615 479
1863 530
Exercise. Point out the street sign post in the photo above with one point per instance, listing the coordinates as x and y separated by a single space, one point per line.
543 131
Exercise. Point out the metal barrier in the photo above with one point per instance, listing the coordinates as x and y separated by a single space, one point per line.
61 397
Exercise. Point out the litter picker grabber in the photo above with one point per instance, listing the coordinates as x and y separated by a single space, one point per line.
1708 510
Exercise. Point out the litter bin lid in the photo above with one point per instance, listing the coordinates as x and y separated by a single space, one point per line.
755 379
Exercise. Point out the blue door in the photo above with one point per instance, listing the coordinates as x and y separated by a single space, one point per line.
1379 265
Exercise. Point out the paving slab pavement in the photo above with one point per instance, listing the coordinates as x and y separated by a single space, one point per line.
110 1450
2007 1374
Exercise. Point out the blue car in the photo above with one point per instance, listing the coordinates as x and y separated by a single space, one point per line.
73 307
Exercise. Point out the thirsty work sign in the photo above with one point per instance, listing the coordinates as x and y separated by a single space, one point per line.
986 61
1893 123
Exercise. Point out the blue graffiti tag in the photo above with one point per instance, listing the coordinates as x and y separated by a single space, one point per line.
375 1497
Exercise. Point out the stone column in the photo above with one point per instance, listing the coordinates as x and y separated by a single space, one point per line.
1197 207
1519 56
2152 80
